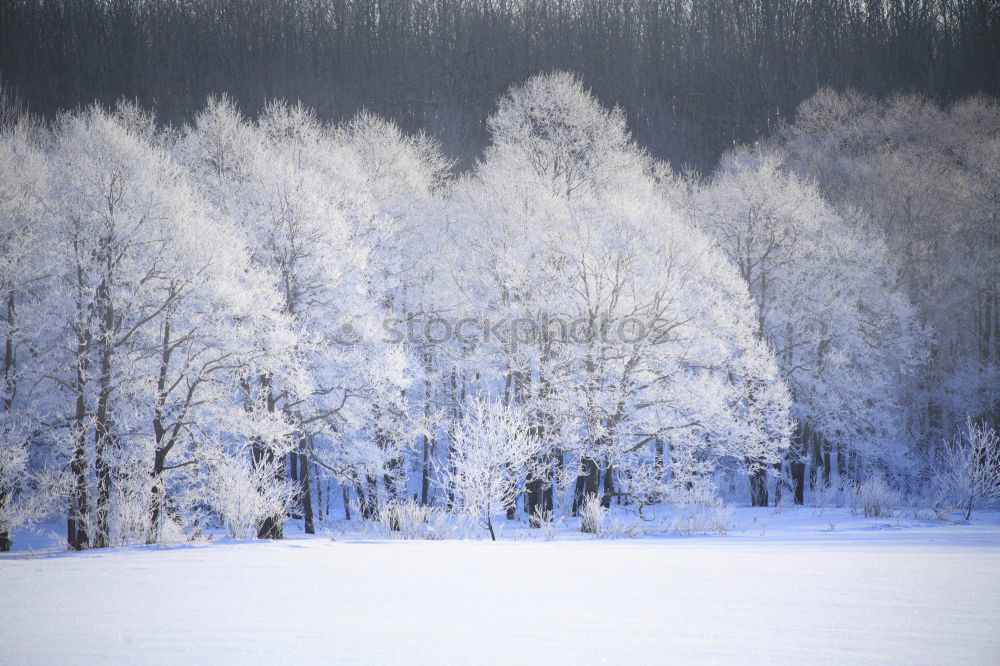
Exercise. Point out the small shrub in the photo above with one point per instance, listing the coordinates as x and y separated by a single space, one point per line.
701 520
591 514
826 494
411 520
543 520
874 497
622 527
967 473
244 494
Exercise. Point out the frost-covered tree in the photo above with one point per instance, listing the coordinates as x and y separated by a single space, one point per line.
966 472
121 212
640 330
826 299
220 322
404 175
491 449
23 173
927 178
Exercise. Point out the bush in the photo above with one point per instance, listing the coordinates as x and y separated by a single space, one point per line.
967 473
622 527
826 494
701 520
874 497
244 494
411 520
591 514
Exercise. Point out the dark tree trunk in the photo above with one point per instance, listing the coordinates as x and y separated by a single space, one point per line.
798 469
9 385
102 425
536 488
609 487
797 465
369 499
293 477
163 442
158 491
346 494
660 464
854 465
425 471
9 360
550 490
271 527
5 541
826 462
306 493
511 509
77 536
320 513
428 445
816 458
777 483
587 483
76 518
758 486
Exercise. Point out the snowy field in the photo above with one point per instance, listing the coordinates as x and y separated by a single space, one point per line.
778 588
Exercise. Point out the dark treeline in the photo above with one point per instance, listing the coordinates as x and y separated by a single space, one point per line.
694 76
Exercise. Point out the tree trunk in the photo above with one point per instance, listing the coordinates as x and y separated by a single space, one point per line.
660 465
797 465
826 462
5 542
428 444
295 512
320 513
9 385
609 487
535 488
511 508
271 527
9 378
816 458
550 491
587 483
158 492
306 493
758 486
777 483
369 500
103 428
76 518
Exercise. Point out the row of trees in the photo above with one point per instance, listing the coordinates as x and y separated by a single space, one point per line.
212 323
693 77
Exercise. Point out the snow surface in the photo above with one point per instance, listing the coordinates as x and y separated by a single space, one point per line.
778 588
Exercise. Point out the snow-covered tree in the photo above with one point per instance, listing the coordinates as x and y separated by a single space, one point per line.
491 449
967 471
927 178
652 339
23 173
826 300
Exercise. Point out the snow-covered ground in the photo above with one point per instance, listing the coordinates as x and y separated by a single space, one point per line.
796 585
